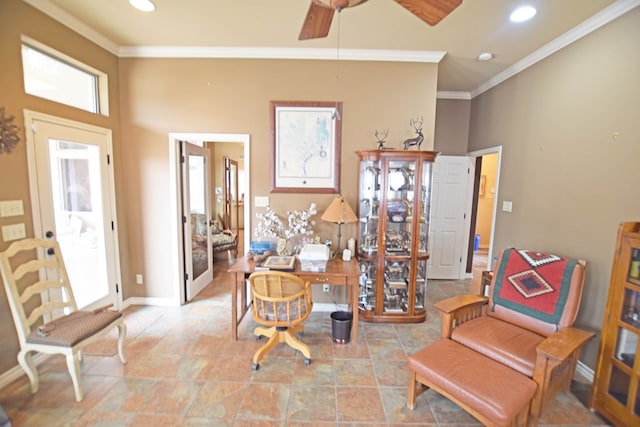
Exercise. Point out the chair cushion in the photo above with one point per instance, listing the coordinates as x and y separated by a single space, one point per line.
504 342
538 291
281 307
69 330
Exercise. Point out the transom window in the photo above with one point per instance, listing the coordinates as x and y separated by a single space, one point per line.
57 77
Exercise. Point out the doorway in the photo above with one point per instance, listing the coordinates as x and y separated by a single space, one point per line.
485 205
197 216
73 201
177 235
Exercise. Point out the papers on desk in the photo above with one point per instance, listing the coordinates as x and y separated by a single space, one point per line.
282 263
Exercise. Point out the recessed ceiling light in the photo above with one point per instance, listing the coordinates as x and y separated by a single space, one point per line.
143 5
523 13
485 56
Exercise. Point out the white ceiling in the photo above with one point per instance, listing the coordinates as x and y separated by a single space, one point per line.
378 30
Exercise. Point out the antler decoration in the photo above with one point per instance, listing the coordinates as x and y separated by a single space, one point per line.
417 126
381 136
8 133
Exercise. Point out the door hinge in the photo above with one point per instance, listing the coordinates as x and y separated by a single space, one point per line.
182 159
464 216
468 171
113 227
184 219
186 277
108 159
460 259
117 289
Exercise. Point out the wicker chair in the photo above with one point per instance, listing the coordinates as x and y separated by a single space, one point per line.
32 268
281 302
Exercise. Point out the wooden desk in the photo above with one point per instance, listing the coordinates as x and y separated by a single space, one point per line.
339 273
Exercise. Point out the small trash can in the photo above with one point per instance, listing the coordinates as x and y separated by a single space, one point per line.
341 326
476 242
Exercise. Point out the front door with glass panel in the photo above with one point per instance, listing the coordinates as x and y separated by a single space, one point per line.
72 184
196 208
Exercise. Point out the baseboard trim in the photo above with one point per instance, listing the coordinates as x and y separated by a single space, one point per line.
16 372
585 371
328 307
160 302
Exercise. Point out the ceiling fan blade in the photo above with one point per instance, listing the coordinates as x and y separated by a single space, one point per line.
430 11
317 22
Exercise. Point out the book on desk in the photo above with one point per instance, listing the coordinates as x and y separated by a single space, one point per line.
280 263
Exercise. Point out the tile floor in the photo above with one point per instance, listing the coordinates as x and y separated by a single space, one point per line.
183 369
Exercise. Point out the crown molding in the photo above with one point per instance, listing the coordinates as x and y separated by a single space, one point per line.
447 94
601 18
279 53
74 24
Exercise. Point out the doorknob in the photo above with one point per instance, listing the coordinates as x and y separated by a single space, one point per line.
50 251
48 235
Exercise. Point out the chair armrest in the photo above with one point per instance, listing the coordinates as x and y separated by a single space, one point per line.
230 233
451 305
459 309
561 345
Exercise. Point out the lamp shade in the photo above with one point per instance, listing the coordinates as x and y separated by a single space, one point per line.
339 212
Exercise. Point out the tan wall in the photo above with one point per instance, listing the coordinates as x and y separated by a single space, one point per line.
452 126
16 19
571 184
160 96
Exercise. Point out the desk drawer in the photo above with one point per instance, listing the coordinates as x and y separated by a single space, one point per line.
333 279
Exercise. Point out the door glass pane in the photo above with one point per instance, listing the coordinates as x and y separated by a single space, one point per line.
79 221
631 308
619 385
396 286
199 216
367 299
626 346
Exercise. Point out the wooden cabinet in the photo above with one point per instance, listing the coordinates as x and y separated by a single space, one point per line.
394 203
616 388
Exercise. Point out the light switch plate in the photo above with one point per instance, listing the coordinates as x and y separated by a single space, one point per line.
11 208
507 206
13 232
262 201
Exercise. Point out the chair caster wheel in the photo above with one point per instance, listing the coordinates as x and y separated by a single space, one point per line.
255 366
307 362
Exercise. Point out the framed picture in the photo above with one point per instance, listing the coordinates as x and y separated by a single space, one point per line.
306 139
286 263
483 184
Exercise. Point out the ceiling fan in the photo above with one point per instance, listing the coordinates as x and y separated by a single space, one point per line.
318 20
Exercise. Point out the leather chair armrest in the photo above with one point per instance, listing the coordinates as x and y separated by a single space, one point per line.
562 344
451 305
459 309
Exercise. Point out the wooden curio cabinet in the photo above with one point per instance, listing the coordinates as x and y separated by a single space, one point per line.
394 202
616 387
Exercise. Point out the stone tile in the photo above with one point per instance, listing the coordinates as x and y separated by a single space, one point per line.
267 402
359 404
312 403
217 402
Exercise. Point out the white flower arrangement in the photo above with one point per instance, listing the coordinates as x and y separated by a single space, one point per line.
299 223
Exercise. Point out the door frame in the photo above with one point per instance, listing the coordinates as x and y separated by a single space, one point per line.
479 153
114 248
177 235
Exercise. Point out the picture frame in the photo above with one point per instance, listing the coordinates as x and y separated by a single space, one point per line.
284 263
483 184
305 146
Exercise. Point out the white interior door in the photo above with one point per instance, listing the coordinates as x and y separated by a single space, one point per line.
71 175
449 225
196 208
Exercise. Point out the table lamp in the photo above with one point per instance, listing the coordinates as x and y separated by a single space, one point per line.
339 212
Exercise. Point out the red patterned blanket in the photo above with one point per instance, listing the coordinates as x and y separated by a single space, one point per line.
533 283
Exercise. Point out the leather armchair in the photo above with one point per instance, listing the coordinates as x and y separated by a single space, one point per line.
535 339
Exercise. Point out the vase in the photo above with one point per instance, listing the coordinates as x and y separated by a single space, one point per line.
284 247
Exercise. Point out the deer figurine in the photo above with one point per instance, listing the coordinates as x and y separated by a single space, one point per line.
417 125
381 138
